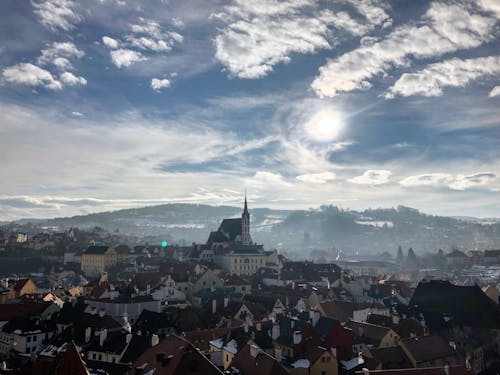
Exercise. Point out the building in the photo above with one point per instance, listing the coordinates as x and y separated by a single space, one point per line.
98 259
234 250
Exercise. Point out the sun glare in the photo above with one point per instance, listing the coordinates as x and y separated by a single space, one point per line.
325 126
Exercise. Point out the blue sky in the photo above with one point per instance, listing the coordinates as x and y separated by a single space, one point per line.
107 104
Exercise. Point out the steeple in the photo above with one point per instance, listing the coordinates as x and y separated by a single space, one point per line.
245 208
246 239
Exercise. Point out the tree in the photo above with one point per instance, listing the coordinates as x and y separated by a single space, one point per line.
411 259
400 257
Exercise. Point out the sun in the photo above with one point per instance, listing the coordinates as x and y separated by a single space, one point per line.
325 126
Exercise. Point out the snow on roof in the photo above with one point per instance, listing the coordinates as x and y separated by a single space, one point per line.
353 362
301 363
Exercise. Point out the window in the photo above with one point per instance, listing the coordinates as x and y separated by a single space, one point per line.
34 338
28 339
323 359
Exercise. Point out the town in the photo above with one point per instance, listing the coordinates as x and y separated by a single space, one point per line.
230 306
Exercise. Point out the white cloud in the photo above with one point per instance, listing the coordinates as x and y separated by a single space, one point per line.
157 84
59 54
32 75
494 92
452 73
267 179
372 177
148 35
125 57
57 14
463 182
77 114
451 181
447 28
317 178
70 79
110 42
261 34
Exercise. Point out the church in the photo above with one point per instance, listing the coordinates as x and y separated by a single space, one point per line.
234 250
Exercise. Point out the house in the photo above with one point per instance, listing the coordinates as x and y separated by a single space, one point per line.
456 259
60 361
25 336
253 360
238 284
125 306
315 360
372 335
430 351
98 259
491 257
386 358
173 355
24 286
209 279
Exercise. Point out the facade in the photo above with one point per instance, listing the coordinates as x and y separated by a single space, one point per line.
98 259
234 250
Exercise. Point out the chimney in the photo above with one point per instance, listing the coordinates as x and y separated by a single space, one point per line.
128 338
93 310
277 354
102 336
102 313
275 333
365 371
226 301
148 289
258 326
297 337
315 317
447 369
155 340
254 351
245 326
88 332
214 306
395 319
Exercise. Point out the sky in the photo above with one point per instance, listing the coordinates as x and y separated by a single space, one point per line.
109 104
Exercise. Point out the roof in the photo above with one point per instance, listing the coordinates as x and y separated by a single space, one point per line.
453 370
96 249
20 284
175 355
9 311
456 254
427 348
466 305
71 363
235 279
143 279
492 253
369 331
392 357
262 363
231 227
201 339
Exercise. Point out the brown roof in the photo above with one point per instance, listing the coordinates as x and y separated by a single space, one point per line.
143 279
339 310
428 348
392 357
370 331
71 363
9 311
236 280
174 355
262 363
201 339
20 284
453 370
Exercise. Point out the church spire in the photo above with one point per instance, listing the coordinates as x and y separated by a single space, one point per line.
245 209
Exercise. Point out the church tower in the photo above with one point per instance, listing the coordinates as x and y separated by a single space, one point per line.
246 239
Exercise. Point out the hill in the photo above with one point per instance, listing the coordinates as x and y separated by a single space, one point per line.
326 229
